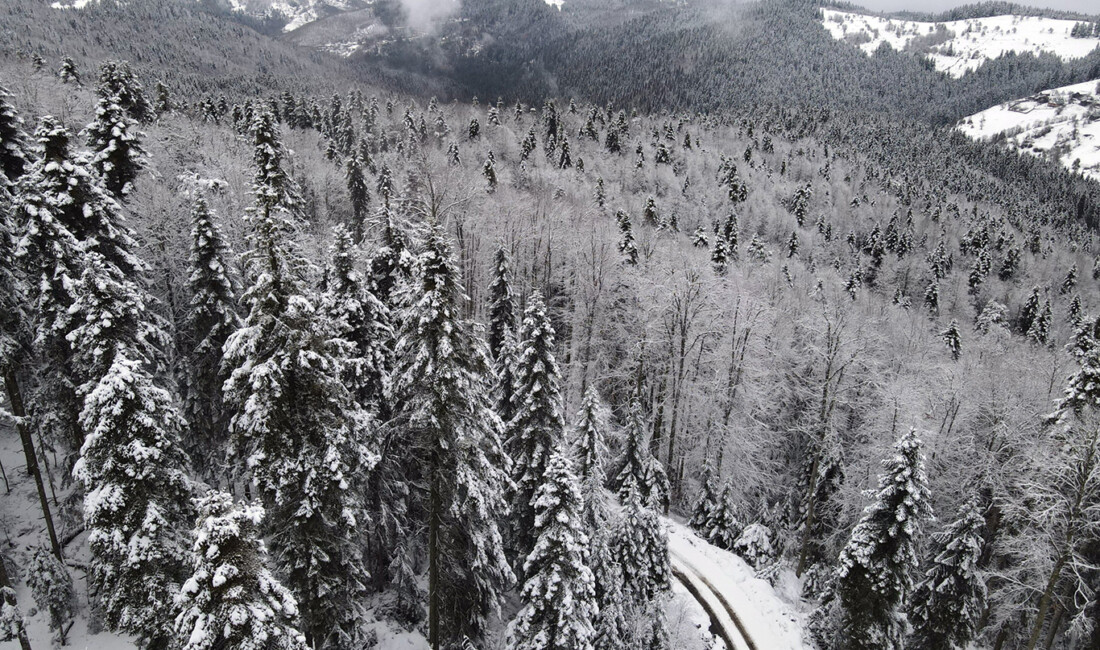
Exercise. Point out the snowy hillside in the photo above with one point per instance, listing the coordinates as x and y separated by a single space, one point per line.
298 13
1063 123
960 46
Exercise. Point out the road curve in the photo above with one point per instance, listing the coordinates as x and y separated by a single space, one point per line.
723 618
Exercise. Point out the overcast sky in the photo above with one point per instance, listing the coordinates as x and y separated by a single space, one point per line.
1084 6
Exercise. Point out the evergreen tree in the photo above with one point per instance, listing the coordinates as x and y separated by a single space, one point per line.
949 603
117 155
1029 312
13 627
874 577
489 171
361 320
627 248
952 339
52 587
68 72
505 399
590 450
296 426
637 471
558 595
456 439
724 526
13 145
640 548
502 302
537 428
117 80
1039 331
231 601
210 320
706 504
360 196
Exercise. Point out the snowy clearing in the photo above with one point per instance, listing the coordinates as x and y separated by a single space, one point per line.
1063 123
960 46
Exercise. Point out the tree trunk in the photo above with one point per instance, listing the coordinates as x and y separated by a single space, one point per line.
16 399
1054 625
21 631
1044 603
433 554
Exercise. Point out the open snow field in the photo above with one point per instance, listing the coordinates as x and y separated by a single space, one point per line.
960 46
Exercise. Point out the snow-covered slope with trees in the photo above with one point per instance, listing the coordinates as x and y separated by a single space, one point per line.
960 46
1063 124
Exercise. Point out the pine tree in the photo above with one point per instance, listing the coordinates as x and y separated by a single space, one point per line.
360 196
590 451
210 320
13 145
361 320
558 595
640 548
1029 312
456 439
702 512
650 214
231 601
637 471
537 428
952 339
1039 331
948 604
489 171
52 587
627 248
117 80
67 72
13 627
117 155
724 526
296 426
502 302
874 576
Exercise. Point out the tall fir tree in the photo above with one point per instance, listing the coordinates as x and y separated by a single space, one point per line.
949 602
636 470
502 302
640 548
558 595
52 587
627 248
724 526
456 442
114 141
359 193
231 601
117 79
13 145
296 426
706 504
874 576
590 450
538 427
211 319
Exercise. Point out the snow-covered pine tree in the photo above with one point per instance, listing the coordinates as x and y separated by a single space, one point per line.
874 576
636 469
590 451
558 595
948 604
359 194
537 427
13 626
114 141
231 601
724 526
296 426
391 266
706 504
456 445
360 319
612 627
504 388
640 548
211 318
131 463
52 588
117 79
627 248
502 301
13 145
952 339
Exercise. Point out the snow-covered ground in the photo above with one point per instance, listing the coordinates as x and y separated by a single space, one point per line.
1063 123
960 46
772 621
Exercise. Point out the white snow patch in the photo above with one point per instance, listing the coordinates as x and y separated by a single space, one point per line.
1063 124
960 46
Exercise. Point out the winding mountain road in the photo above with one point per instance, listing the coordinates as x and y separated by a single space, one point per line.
723 619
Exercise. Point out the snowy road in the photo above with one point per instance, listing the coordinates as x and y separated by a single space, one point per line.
745 612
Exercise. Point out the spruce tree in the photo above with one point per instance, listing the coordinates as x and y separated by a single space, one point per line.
456 444
296 426
724 526
590 451
636 470
117 155
361 320
949 603
537 428
360 196
502 302
952 339
640 548
231 601
874 576
211 319
117 80
702 512
52 587
558 595
627 248
13 145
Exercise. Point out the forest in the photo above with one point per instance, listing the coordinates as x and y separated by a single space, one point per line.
433 349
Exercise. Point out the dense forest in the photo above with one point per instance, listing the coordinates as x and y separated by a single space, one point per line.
302 351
